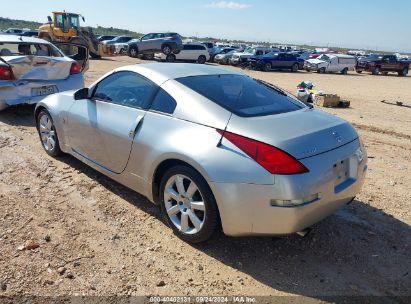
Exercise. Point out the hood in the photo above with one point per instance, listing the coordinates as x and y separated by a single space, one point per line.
303 133
315 61
39 67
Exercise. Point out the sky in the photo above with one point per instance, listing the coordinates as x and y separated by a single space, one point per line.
370 24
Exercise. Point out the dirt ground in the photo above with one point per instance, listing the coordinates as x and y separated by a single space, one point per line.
97 237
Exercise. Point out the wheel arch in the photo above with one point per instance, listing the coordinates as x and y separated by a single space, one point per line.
168 163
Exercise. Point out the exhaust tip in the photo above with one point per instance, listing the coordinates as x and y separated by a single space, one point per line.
304 233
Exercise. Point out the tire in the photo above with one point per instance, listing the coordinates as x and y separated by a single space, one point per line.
133 52
202 59
192 223
403 73
294 68
176 51
148 56
344 71
376 71
321 71
166 49
359 71
47 133
267 67
170 58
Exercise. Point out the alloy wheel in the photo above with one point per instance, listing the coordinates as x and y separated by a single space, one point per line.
47 133
184 204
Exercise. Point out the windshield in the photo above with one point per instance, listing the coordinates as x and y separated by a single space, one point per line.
242 95
374 57
74 20
25 49
249 50
324 57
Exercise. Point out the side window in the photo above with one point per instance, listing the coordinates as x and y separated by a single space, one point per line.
163 102
126 89
186 47
259 53
148 36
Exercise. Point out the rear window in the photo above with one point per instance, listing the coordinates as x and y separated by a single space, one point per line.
24 49
242 95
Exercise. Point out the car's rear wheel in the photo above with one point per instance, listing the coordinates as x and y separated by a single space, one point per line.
133 52
201 59
344 71
166 49
294 68
188 204
47 133
321 71
404 72
376 71
170 58
267 67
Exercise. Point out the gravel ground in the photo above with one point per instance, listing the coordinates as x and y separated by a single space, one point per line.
67 230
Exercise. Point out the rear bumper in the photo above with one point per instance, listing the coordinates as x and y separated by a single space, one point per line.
248 209
19 91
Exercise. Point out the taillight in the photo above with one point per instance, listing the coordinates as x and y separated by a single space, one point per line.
270 158
75 68
6 73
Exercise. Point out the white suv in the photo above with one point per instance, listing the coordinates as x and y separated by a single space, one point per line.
190 52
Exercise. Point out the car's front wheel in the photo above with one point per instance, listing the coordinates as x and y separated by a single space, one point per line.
188 204
47 133
133 52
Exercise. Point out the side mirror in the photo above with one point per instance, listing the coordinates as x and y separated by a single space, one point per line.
81 94
49 19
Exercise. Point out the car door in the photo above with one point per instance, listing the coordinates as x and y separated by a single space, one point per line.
147 42
103 127
77 52
334 65
280 61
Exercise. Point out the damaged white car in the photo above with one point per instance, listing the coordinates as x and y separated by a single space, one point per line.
32 68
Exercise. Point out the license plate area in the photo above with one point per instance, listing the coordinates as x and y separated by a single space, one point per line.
44 90
345 173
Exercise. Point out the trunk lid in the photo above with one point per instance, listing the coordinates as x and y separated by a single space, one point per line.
39 67
303 133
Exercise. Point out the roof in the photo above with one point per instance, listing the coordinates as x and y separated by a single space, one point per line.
19 39
340 55
161 72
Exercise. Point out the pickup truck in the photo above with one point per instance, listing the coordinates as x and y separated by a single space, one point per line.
377 64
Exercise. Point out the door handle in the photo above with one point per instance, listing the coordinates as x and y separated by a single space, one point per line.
136 125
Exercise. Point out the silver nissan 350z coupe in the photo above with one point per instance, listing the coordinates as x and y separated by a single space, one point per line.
211 146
